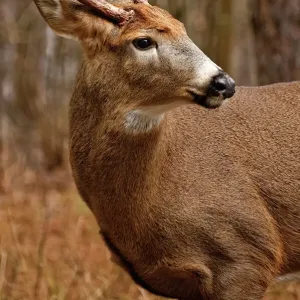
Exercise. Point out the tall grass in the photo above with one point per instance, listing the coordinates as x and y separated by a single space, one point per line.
50 248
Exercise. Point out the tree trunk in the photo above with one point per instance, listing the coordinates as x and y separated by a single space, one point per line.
276 25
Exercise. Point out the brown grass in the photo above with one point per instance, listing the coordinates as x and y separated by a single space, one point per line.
50 249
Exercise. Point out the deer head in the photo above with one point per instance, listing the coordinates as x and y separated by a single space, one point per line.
139 55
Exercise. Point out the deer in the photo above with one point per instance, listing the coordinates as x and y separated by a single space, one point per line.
194 182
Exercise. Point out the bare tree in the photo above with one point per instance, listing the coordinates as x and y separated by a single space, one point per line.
276 25
37 73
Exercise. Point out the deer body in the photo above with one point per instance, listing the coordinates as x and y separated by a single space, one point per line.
207 194
193 203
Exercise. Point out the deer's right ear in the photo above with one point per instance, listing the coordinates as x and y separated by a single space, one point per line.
60 15
78 19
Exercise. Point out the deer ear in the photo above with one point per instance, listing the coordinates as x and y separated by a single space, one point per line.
60 15
78 19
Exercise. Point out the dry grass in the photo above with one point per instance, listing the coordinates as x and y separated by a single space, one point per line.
50 249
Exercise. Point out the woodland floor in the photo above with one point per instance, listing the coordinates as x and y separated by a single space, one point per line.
50 249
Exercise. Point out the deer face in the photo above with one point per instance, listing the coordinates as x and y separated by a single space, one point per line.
139 54
161 60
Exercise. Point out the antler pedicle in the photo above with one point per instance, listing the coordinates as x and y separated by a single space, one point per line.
117 14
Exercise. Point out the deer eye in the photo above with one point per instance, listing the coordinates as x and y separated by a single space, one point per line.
144 43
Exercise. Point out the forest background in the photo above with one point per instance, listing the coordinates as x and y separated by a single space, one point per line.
49 242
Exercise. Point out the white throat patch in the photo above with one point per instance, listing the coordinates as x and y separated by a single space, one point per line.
147 118
139 121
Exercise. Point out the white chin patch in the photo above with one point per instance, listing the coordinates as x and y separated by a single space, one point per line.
214 102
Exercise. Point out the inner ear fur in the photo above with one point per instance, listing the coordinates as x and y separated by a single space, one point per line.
71 19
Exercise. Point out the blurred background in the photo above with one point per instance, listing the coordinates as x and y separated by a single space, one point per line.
49 242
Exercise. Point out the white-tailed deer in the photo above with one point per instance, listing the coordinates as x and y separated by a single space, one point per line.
195 203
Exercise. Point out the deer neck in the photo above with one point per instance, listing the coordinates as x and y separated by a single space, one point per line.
135 146
119 166
131 164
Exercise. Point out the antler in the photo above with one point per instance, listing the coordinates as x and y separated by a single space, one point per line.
121 16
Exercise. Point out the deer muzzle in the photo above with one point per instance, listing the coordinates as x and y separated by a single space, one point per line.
222 85
221 88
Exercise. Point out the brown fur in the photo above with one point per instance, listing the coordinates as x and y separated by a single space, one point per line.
211 192
151 17
205 206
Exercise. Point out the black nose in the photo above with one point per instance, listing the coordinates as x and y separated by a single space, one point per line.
222 85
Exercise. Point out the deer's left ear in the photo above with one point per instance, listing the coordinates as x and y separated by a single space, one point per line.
80 19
